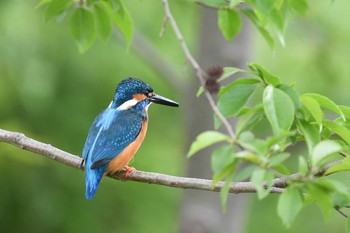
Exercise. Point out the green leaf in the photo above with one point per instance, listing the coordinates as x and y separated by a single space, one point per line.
55 8
248 141
313 107
224 173
247 110
345 110
278 17
281 142
279 109
335 186
264 6
122 19
42 3
256 22
325 102
279 158
303 167
248 156
348 225
228 72
234 3
264 74
217 122
323 150
103 21
229 22
343 166
321 197
206 139
310 133
200 91
289 205
224 191
249 120
221 158
299 6
340 130
263 181
292 93
82 27
234 96
327 133
244 173
282 169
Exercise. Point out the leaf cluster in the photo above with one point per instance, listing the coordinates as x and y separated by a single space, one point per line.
90 18
287 118
270 17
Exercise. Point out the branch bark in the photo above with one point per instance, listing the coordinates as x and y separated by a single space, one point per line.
47 150
283 181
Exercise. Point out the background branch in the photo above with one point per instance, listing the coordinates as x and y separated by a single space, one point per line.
199 71
20 140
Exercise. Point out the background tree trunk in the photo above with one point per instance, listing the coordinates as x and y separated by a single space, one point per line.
201 211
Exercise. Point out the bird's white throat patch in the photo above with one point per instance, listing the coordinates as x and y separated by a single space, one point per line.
148 106
128 104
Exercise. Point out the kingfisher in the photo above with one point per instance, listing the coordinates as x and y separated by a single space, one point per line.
118 131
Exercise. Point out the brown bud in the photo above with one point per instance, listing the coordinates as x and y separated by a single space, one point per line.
212 86
215 71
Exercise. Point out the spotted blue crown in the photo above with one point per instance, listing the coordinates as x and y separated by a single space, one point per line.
129 87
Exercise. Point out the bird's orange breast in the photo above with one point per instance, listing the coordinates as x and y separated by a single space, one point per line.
121 160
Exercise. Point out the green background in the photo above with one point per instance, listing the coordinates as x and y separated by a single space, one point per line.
52 93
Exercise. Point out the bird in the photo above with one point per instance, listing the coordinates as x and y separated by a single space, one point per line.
118 131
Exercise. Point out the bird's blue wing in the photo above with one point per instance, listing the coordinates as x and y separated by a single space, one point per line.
94 129
111 132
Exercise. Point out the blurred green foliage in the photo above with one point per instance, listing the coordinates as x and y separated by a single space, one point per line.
315 59
52 93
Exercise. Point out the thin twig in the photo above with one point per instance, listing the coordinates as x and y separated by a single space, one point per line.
162 30
341 212
26 143
199 72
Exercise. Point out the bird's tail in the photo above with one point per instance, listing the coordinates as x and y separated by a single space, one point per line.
92 178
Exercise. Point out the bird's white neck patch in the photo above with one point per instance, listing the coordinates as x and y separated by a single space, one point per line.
128 104
110 105
148 106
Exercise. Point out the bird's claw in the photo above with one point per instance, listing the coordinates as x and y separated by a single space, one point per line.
128 170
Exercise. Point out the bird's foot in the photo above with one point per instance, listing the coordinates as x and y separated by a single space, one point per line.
128 170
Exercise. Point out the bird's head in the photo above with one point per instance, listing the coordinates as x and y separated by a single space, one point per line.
132 90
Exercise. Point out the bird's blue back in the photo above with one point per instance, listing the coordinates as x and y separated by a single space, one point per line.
111 132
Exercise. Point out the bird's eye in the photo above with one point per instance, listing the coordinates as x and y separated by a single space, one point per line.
150 94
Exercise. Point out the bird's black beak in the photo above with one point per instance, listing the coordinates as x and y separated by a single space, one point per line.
157 99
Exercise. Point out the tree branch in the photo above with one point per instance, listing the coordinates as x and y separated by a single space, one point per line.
199 71
47 150
283 181
21 141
